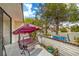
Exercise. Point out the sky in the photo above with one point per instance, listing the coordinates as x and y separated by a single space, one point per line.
30 10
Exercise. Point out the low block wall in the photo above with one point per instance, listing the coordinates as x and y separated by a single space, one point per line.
64 48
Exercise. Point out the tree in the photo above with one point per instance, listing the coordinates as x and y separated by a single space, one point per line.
73 12
56 12
40 17
45 16
33 21
28 20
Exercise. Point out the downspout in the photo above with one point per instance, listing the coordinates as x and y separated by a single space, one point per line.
22 12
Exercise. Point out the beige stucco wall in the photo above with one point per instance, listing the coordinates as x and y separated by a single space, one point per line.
15 11
6 29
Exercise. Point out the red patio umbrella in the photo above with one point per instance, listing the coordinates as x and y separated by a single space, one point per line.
26 28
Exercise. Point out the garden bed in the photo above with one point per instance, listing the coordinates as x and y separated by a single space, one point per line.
54 51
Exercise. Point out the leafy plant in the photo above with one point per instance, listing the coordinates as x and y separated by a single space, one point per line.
63 29
50 49
73 12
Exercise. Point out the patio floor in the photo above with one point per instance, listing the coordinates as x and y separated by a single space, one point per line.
13 50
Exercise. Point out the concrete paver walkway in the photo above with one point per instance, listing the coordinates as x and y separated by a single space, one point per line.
13 50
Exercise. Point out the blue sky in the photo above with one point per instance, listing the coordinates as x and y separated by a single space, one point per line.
30 9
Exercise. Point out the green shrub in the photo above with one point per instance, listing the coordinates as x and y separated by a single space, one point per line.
48 34
75 28
33 21
63 29
28 20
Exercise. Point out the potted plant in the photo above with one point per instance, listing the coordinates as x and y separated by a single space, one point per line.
53 50
50 49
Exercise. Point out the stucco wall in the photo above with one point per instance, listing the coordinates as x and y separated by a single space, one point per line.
1 33
15 11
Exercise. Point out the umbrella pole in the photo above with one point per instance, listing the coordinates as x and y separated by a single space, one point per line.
19 37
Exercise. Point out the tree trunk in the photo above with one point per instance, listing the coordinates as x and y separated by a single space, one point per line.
46 31
46 27
57 26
